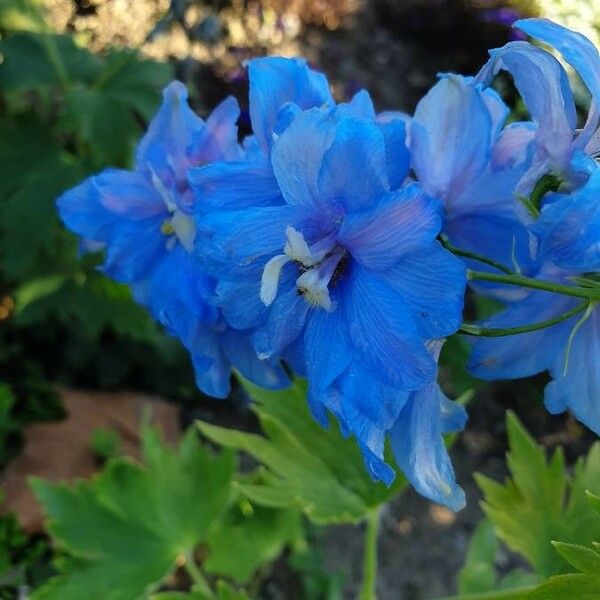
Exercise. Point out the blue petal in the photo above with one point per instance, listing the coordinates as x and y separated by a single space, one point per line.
298 154
96 208
506 239
244 240
165 149
419 448
579 52
579 388
544 87
397 156
284 324
240 301
275 81
220 139
361 106
400 223
213 380
354 167
235 185
450 136
432 282
242 355
524 354
384 333
569 227
328 348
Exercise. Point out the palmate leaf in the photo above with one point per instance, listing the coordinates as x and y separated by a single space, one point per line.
108 115
124 530
304 466
584 585
540 503
245 537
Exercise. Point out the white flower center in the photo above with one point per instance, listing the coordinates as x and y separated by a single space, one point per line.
178 227
317 263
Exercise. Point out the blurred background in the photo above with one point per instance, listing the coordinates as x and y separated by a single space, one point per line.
79 81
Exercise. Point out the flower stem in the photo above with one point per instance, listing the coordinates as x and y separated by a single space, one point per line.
536 284
474 256
199 581
369 582
470 329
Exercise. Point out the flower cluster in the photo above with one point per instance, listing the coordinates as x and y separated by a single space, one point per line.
327 241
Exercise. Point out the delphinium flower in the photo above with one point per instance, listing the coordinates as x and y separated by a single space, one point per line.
143 219
544 86
462 153
566 225
339 272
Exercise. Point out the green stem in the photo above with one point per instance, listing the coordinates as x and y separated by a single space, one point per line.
198 579
369 582
470 329
515 594
536 284
474 256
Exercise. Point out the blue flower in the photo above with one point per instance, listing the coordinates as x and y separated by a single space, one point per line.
569 351
143 219
463 154
566 233
544 87
342 275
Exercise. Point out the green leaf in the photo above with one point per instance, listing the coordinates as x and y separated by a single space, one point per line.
258 536
567 587
479 572
134 82
37 60
124 530
540 503
307 467
30 232
584 559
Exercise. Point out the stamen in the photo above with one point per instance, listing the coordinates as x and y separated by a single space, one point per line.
314 283
270 278
185 229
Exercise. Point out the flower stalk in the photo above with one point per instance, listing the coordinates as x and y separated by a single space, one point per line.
368 588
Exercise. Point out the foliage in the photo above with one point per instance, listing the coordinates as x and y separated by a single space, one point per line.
24 561
125 529
65 114
545 515
541 503
303 465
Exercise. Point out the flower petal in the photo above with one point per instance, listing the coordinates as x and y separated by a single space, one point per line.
398 224
275 81
235 185
569 227
450 136
384 333
419 448
297 156
579 388
544 87
432 282
354 167
580 53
